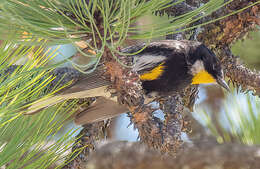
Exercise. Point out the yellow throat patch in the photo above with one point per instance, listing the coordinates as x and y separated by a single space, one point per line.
203 77
154 73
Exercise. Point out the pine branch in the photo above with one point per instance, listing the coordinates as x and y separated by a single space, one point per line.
197 156
240 75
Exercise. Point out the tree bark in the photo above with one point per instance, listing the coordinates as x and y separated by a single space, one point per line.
118 155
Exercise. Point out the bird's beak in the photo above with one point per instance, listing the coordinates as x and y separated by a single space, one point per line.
223 84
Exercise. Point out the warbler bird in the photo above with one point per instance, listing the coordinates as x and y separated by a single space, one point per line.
164 67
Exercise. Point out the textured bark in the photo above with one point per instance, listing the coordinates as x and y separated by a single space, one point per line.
118 155
161 135
239 75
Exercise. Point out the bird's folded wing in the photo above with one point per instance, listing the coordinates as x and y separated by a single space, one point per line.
103 108
88 82
91 85
50 101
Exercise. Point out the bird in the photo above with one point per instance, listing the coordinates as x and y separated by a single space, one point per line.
164 67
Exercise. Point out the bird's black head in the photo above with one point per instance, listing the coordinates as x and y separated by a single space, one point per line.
206 67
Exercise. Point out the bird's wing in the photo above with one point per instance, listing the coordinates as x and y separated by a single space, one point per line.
103 108
147 57
88 82
91 85
156 53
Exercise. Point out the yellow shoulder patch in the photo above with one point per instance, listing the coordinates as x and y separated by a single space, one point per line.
154 73
203 77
